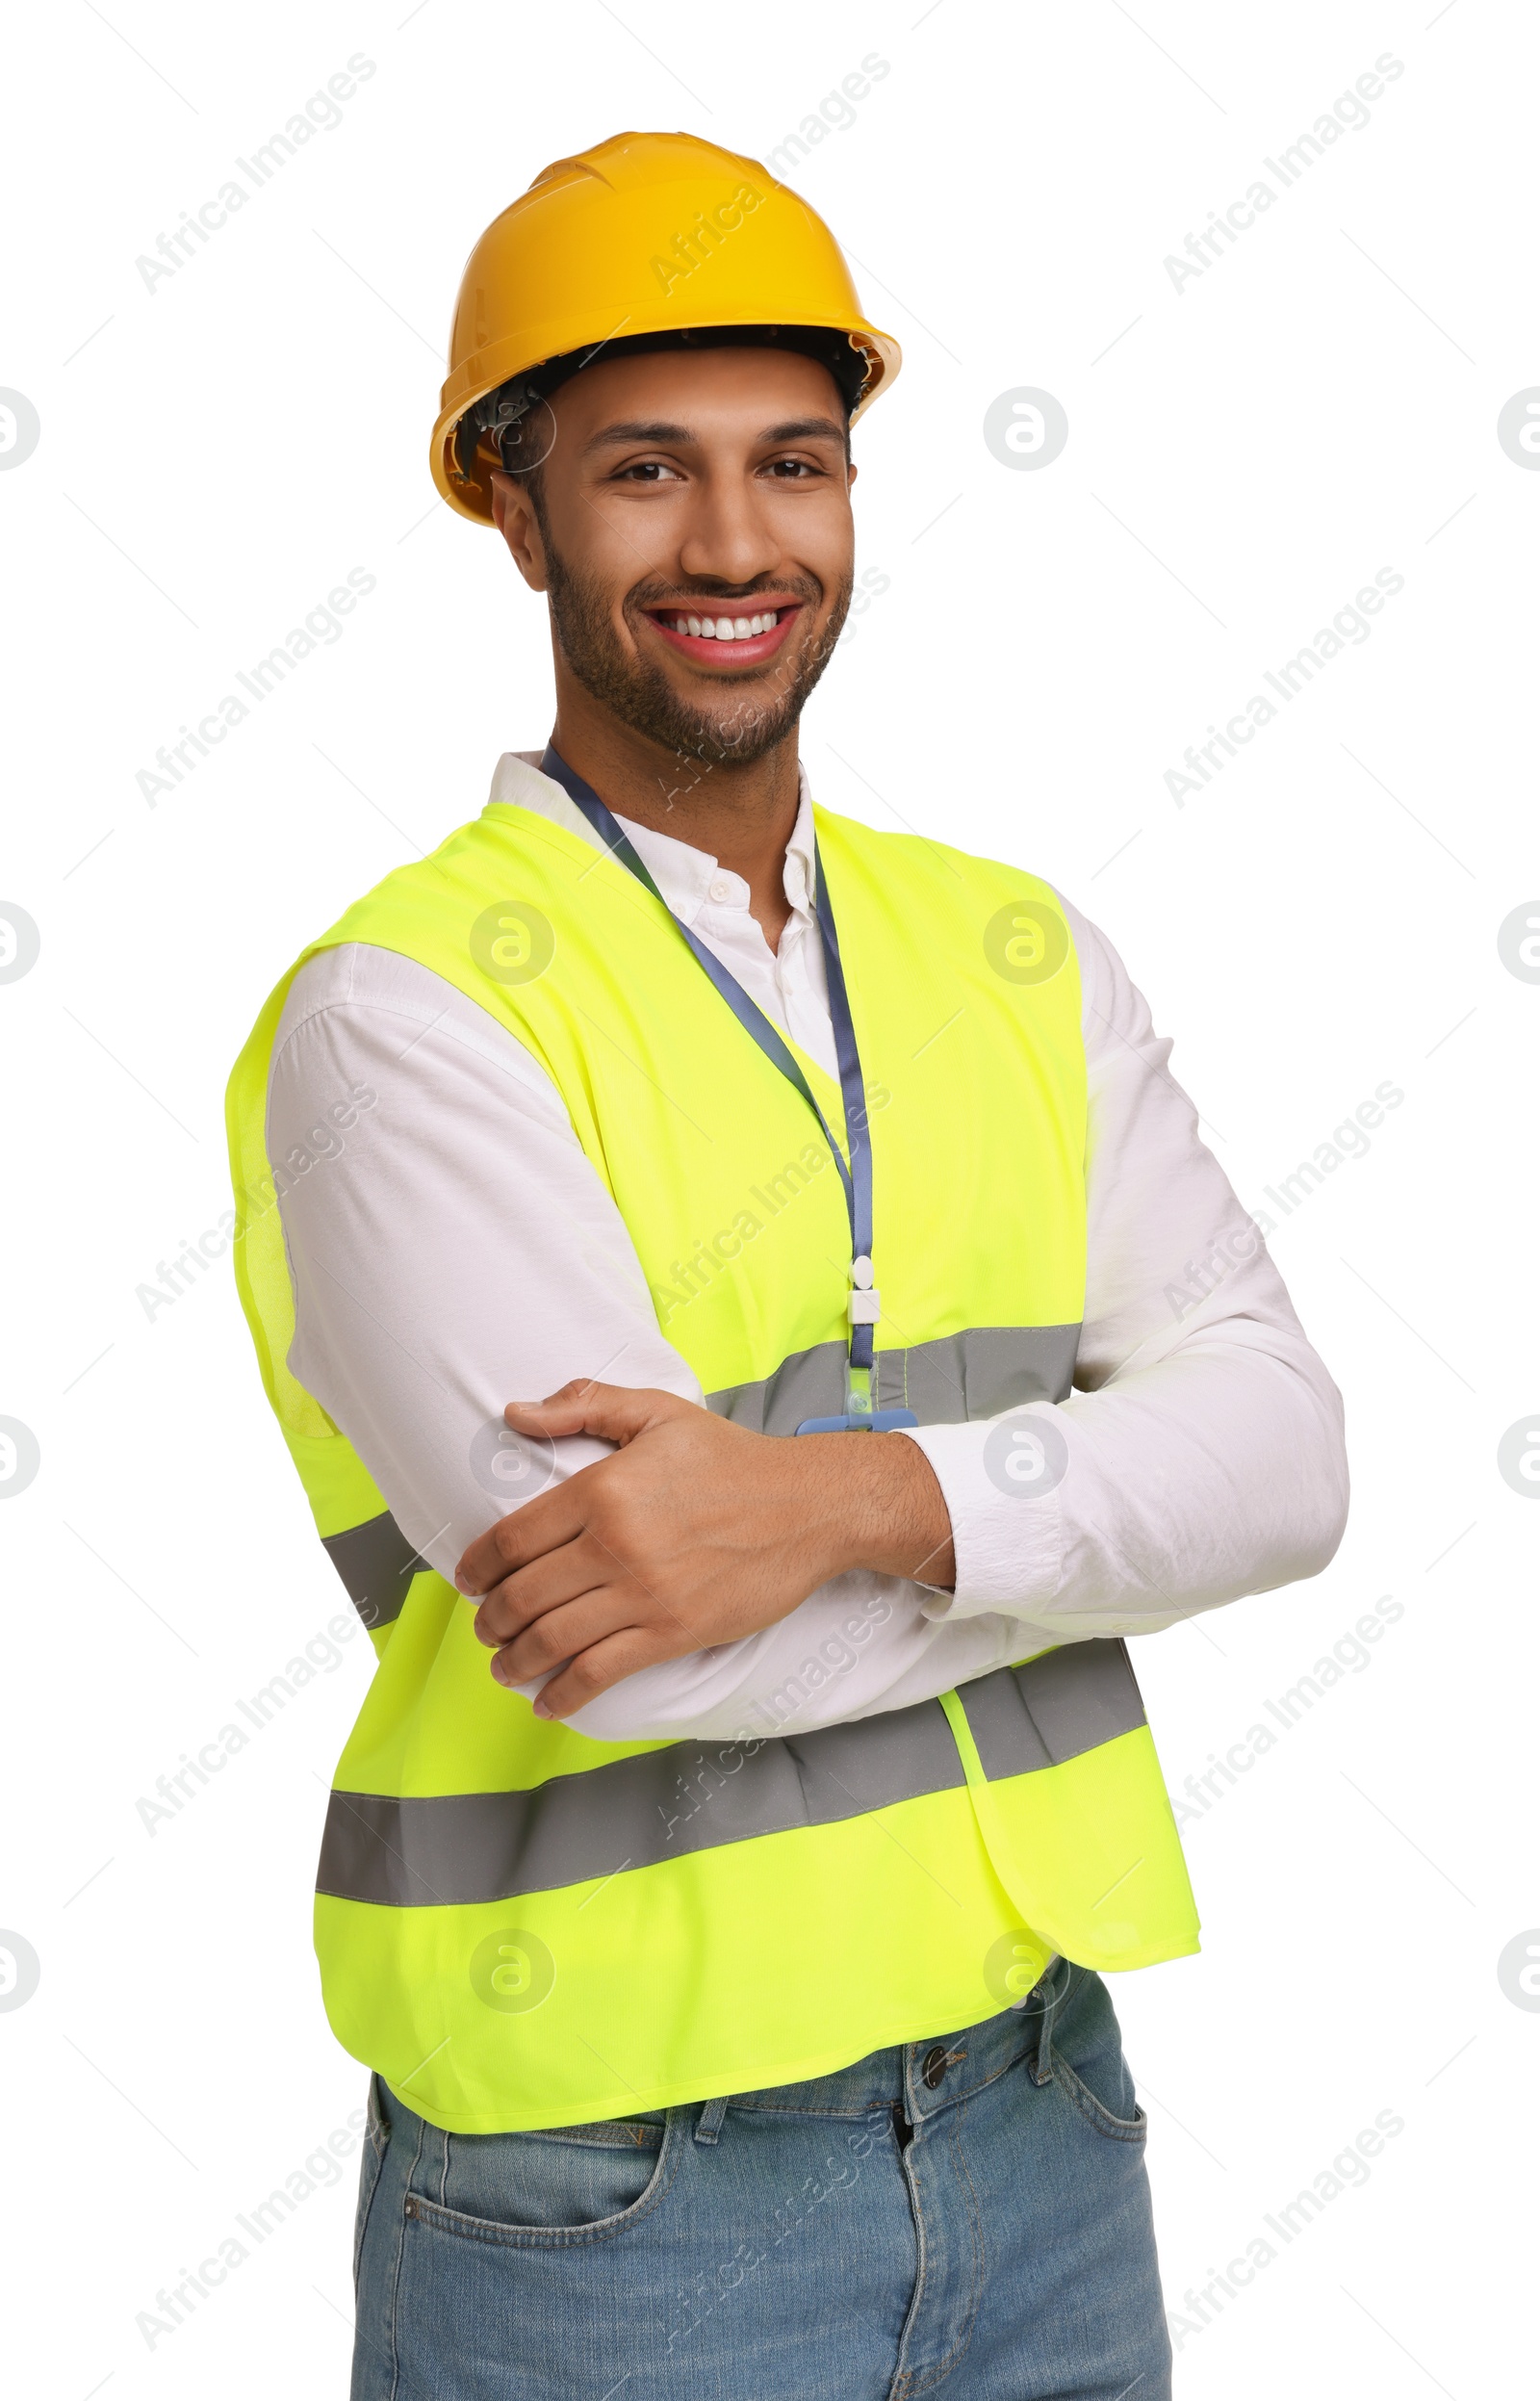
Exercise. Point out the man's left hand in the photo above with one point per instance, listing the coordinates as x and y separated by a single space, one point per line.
692 1533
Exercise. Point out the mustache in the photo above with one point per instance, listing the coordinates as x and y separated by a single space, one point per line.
644 597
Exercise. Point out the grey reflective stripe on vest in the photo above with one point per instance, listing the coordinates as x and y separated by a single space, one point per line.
978 1374
1052 1709
376 1563
693 1796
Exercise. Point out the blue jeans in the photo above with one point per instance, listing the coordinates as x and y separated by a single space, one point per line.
968 2217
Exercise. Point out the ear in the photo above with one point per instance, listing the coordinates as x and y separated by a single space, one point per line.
513 514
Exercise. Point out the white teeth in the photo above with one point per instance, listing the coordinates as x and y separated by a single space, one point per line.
725 628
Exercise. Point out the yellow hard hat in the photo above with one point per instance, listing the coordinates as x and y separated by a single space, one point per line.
648 234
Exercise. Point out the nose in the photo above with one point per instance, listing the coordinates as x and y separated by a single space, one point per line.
726 540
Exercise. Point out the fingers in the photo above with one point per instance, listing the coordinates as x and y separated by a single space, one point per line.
594 1670
559 1636
543 1524
615 1412
562 1576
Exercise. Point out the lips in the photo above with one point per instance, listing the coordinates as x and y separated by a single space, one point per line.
731 644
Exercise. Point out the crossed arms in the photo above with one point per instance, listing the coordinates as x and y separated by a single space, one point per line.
457 1249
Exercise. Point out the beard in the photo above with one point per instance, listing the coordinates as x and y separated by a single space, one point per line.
743 726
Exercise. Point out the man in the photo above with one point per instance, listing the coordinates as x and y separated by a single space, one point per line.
727 1956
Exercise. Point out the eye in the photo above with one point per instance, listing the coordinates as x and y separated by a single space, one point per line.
793 469
646 471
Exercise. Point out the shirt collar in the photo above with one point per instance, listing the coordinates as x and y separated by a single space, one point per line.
682 875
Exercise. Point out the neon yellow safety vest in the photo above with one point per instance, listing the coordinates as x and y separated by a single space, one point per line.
521 1927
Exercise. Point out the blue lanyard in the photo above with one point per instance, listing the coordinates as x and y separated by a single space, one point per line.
856 1177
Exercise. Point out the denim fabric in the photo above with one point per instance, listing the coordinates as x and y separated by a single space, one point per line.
968 2217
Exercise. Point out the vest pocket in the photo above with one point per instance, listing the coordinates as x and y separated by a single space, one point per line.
573 2185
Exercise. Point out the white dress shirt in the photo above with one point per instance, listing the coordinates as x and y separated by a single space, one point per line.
456 1249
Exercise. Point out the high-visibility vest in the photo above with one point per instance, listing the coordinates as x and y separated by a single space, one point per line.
521 1927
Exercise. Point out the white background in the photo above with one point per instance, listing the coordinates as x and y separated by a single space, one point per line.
1244 453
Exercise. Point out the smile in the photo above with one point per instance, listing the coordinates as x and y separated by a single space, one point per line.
736 634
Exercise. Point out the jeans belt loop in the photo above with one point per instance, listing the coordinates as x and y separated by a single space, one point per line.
709 2125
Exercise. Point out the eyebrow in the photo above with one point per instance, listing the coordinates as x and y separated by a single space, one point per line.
804 430
661 430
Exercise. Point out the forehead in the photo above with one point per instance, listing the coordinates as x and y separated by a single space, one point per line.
723 394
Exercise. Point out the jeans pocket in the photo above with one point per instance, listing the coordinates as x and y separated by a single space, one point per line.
1123 2129
575 2184
377 2137
1088 2063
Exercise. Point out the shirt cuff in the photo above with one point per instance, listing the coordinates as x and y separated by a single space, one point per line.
1001 1489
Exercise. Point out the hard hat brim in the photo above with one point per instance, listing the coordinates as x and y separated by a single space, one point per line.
502 361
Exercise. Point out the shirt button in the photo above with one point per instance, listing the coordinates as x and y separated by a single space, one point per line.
718 889
934 2067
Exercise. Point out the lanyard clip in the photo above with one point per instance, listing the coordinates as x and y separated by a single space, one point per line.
865 1304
